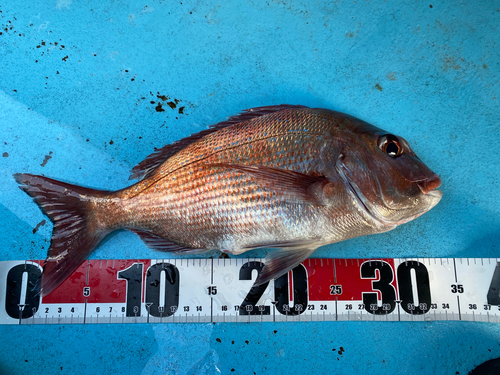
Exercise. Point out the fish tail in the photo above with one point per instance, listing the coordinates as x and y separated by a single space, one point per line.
77 225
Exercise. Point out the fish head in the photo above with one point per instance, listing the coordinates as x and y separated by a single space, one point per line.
384 176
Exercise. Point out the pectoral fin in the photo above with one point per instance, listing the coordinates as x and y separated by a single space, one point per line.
291 186
279 262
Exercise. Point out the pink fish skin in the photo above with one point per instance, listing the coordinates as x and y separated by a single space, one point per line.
285 177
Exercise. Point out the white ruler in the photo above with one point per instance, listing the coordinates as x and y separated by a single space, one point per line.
221 290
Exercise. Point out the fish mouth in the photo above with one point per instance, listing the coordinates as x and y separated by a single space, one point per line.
427 187
430 185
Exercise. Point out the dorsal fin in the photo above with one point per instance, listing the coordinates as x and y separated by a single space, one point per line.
153 161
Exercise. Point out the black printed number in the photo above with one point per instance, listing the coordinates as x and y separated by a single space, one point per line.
248 306
159 275
493 296
86 291
133 275
457 288
421 275
300 296
335 290
22 276
281 292
382 283
165 274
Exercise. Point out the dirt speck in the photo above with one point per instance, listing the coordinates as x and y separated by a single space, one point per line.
430 5
218 339
47 158
65 58
159 108
450 63
391 76
378 87
40 224
485 66
172 105
111 142
5 154
162 97
181 110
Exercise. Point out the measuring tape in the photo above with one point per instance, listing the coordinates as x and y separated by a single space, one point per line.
221 290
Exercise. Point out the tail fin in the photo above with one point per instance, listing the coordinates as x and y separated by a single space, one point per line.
74 235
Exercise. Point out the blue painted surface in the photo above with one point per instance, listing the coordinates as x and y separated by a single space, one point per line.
81 110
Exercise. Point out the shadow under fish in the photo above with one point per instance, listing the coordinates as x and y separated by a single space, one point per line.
286 177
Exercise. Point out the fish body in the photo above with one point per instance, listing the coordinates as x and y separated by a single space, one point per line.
285 177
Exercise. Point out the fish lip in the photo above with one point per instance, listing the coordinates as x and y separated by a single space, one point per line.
429 185
436 194
360 198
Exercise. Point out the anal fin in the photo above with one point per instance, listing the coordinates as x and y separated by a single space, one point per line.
279 262
163 244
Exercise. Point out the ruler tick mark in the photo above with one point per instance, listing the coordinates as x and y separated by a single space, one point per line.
455 267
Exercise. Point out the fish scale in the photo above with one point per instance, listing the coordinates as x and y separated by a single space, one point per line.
285 177
238 181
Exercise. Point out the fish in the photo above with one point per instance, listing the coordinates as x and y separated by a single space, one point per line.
287 178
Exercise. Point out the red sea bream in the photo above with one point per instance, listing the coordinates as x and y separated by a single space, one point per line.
284 177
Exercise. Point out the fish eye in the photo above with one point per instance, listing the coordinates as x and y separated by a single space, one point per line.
390 145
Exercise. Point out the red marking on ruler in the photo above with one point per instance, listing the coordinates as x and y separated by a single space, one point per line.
71 290
348 276
105 287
